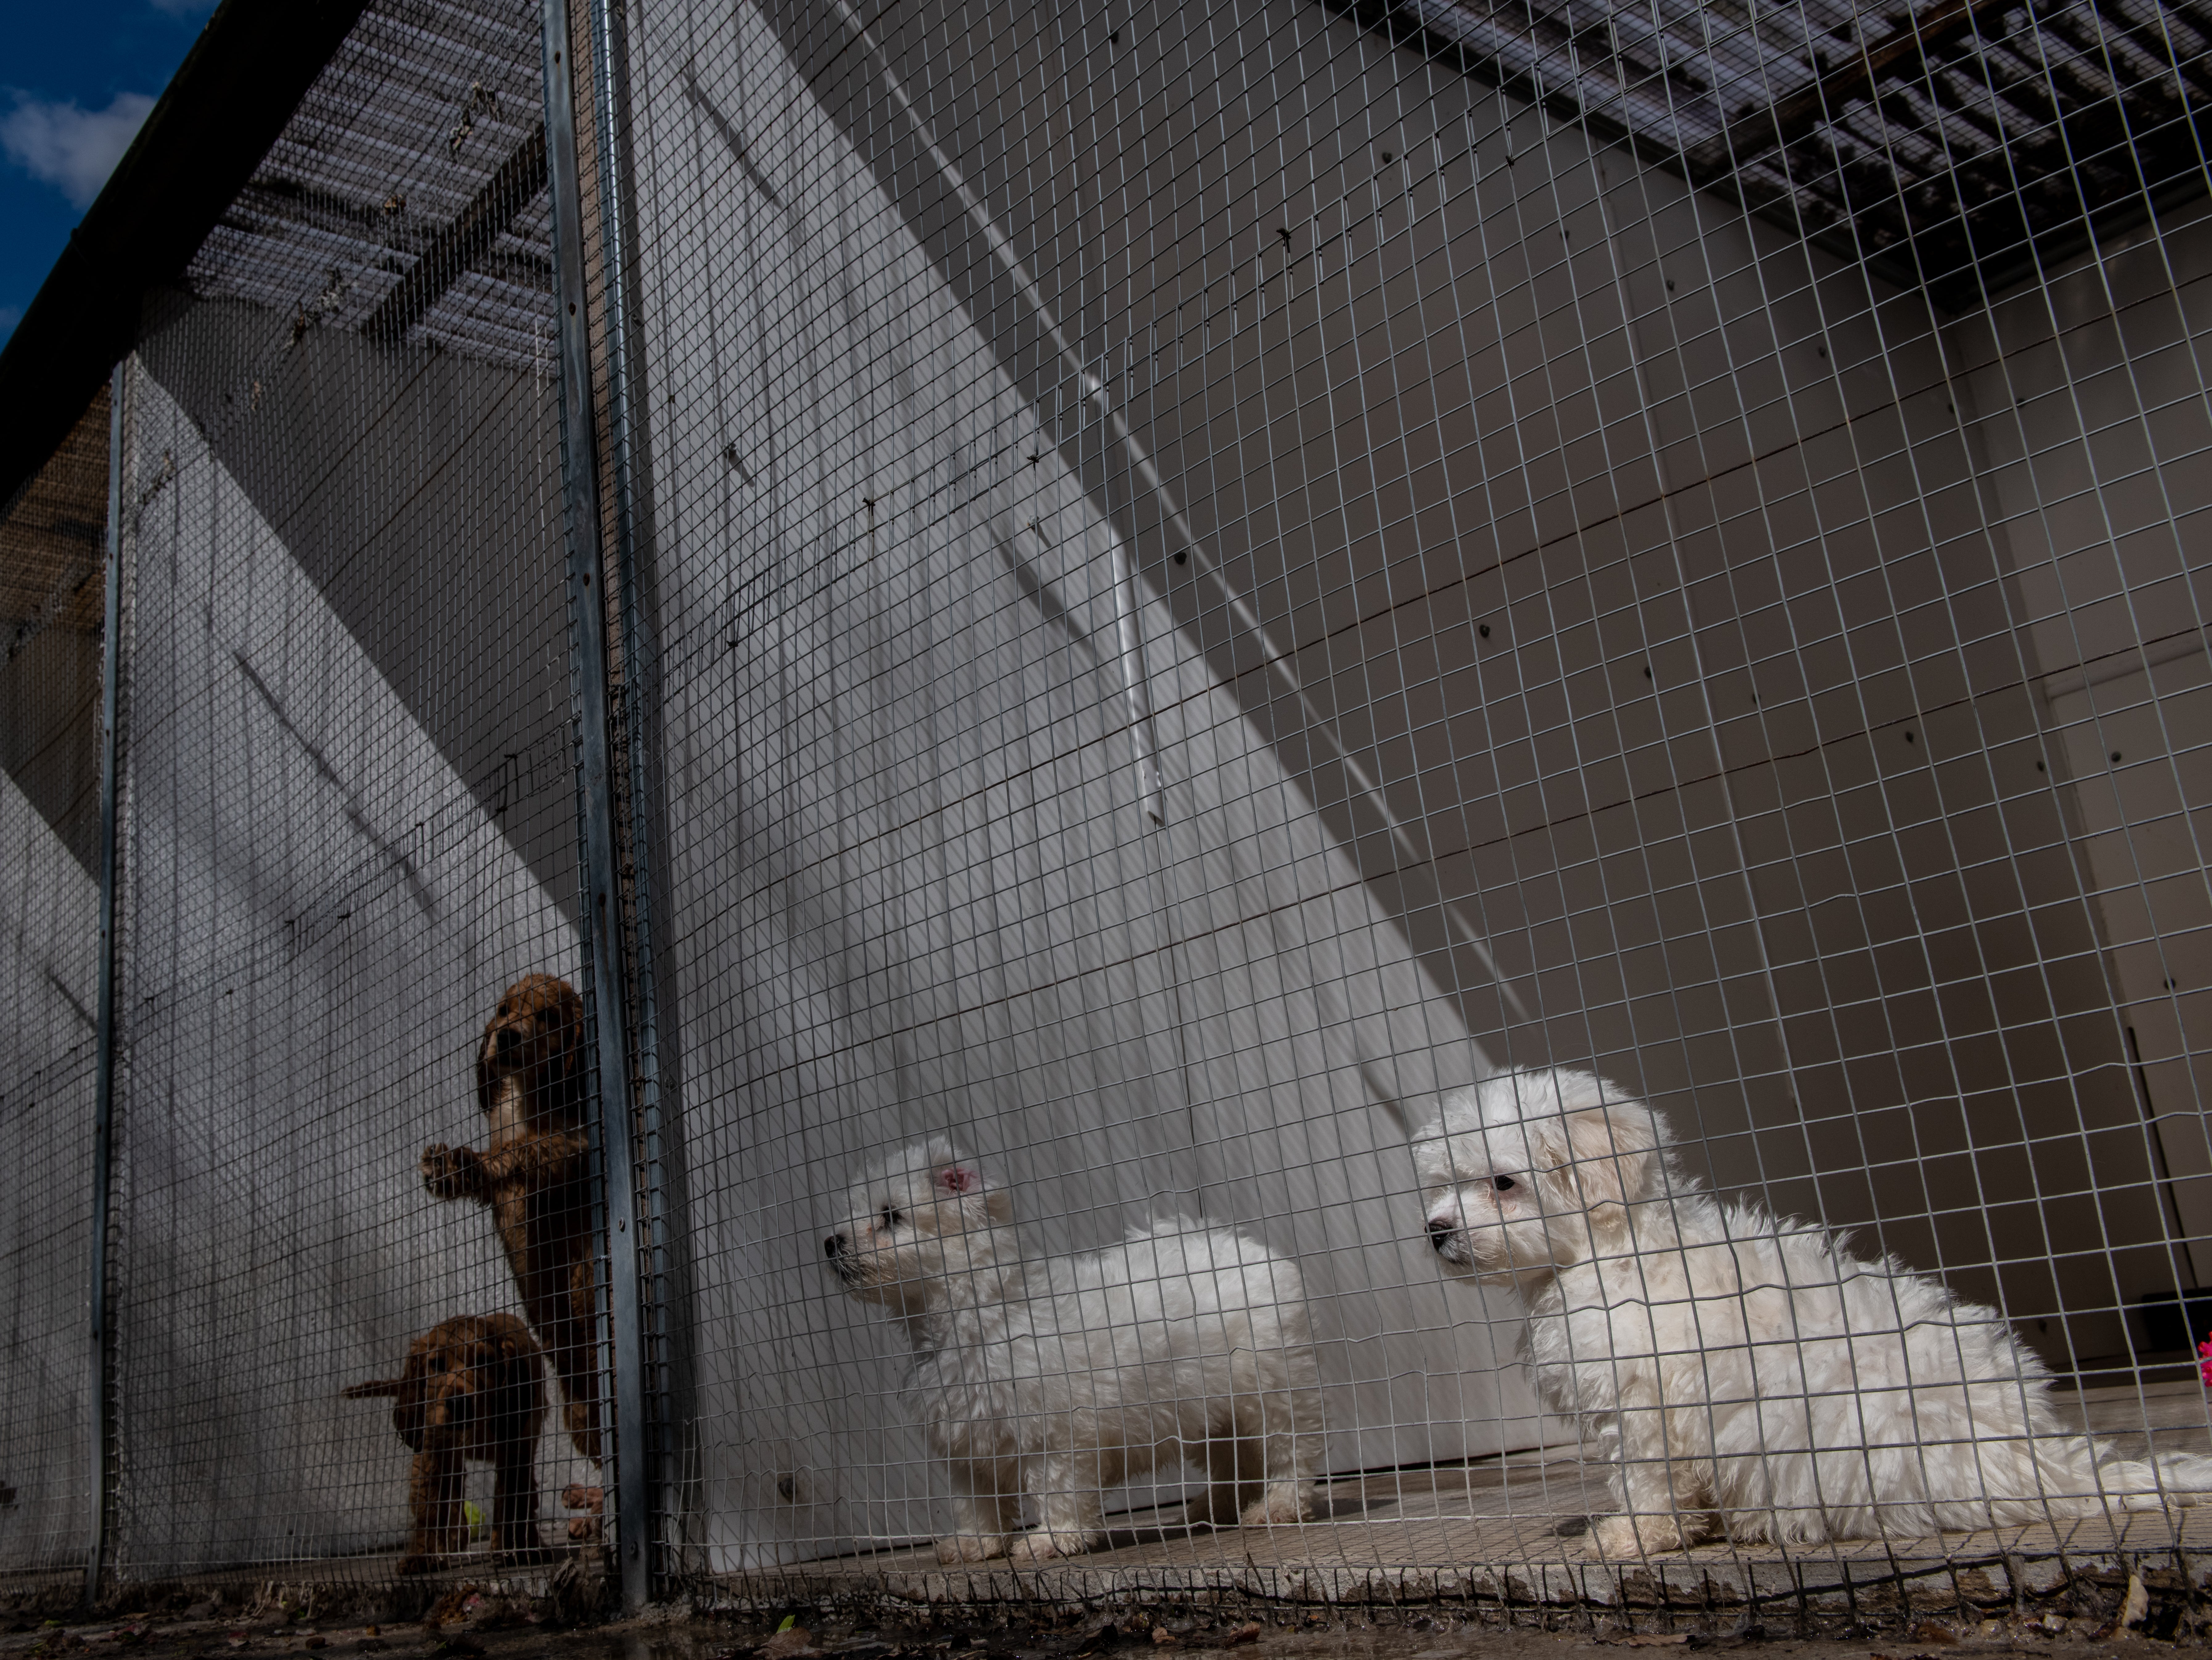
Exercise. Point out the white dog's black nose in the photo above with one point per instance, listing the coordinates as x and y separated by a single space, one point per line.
1439 1232
833 1244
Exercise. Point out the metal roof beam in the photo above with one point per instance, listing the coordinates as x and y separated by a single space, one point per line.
1783 124
226 106
462 244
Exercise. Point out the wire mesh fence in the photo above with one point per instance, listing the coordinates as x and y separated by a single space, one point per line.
50 689
1108 657
348 818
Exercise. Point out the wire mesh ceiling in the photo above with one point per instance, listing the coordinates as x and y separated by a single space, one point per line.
1949 146
353 221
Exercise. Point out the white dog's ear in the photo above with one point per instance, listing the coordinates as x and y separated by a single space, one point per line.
964 1179
958 1178
1614 1153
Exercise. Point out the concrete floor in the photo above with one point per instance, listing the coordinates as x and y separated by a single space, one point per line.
1512 1531
1502 1535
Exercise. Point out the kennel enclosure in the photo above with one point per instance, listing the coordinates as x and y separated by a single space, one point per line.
1146 587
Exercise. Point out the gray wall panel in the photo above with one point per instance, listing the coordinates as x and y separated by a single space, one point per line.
2087 401
48 952
414 489
1595 560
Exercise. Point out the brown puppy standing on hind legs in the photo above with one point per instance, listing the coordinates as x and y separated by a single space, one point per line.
473 1387
534 1174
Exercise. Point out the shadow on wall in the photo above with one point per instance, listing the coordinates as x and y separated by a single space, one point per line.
48 946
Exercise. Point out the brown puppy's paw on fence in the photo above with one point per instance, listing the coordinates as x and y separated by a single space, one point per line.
533 1170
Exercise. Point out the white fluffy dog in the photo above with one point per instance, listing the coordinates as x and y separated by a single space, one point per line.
1740 1370
1058 1377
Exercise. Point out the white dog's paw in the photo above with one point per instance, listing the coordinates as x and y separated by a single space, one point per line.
1619 1538
1211 1508
1039 1546
970 1547
1284 1505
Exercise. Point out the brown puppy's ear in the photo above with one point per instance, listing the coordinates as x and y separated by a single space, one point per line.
411 1408
486 1097
513 1342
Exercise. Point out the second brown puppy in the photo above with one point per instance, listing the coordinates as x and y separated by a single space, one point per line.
473 1387
533 1172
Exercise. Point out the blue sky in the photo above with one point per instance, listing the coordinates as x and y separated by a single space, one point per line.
76 79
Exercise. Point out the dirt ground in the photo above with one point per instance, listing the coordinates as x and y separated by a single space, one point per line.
465 1627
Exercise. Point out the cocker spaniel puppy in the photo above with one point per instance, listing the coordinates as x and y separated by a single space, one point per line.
473 1387
533 1172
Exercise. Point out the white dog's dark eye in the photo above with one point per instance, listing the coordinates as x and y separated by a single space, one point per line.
892 1218
1503 1183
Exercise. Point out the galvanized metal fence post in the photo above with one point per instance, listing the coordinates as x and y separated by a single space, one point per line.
662 1249
627 1504
103 1109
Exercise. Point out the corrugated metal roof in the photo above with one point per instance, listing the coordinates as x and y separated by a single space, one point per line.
407 195
1946 143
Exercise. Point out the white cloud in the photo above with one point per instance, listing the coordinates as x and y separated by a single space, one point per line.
70 148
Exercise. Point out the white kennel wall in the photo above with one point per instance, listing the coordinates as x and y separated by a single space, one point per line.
348 804
289 1052
897 740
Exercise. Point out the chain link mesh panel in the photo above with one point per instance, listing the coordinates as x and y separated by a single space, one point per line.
53 557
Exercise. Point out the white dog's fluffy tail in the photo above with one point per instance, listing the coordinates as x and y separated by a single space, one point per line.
2167 1479
2071 1476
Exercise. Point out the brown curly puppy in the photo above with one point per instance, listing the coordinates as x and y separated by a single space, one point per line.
473 1387
533 1173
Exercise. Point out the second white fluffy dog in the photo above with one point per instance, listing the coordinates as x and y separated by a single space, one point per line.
1058 1377
1743 1371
